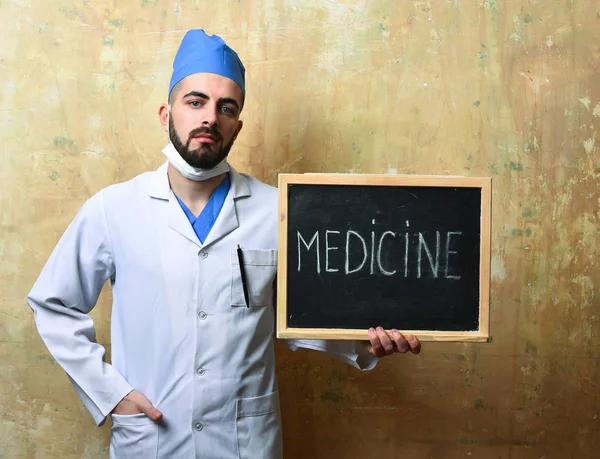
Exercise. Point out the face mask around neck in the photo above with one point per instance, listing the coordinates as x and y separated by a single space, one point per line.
190 172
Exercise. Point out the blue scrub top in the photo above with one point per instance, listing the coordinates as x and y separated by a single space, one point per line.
204 222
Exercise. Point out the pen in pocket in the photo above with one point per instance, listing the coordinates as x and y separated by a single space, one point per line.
243 275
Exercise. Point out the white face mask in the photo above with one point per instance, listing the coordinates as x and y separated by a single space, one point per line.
190 172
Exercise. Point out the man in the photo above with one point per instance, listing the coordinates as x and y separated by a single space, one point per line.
193 369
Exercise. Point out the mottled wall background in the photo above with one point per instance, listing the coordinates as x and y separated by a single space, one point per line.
507 89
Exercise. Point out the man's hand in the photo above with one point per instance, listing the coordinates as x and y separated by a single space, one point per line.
381 345
136 403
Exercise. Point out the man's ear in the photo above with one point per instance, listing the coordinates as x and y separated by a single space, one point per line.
239 128
163 116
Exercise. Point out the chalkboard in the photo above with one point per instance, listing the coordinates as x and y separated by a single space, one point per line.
405 252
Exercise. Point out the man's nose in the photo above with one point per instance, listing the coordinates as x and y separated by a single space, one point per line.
209 115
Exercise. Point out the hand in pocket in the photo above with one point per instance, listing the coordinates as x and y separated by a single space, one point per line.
135 403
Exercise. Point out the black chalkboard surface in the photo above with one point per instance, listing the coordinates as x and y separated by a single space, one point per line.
410 253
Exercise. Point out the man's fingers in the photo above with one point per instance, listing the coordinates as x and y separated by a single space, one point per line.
376 348
401 344
147 408
382 345
415 344
386 342
150 411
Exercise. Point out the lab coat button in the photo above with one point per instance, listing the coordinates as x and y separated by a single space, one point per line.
202 315
200 371
204 255
198 426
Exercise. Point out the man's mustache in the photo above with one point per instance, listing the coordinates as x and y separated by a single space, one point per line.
213 131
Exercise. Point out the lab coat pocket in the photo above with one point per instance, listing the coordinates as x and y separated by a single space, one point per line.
258 427
133 437
260 268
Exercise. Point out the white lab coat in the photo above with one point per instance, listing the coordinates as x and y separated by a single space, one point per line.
181 333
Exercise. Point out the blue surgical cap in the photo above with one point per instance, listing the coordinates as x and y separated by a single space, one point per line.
202 53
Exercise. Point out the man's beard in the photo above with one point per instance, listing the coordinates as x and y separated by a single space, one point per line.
202 157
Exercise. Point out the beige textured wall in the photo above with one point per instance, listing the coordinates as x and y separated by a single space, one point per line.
507 89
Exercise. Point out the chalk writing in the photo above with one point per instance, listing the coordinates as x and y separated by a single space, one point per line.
428 254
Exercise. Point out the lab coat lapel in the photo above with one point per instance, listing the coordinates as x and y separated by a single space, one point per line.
159 188
179 222
227 221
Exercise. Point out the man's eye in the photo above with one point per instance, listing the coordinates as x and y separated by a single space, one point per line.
227 110
195 103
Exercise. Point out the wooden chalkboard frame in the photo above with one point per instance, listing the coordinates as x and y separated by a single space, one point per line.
483 183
